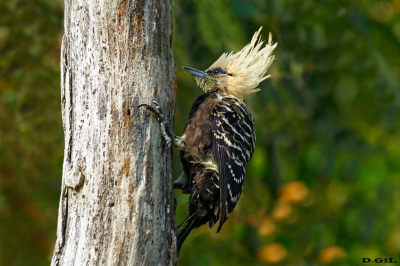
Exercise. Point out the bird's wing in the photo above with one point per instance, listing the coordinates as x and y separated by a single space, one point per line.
233 145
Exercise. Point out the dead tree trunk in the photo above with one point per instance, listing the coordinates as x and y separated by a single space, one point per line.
117 205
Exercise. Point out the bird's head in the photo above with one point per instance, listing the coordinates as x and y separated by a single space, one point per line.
238 74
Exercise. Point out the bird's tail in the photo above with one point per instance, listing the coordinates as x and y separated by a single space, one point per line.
184 232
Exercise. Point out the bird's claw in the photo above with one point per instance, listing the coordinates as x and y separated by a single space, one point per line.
156 104
182 184
166 131
156 109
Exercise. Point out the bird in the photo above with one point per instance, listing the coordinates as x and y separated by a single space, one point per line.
219 138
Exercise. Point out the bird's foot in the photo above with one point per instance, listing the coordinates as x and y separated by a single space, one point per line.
179 142
166 129
182 184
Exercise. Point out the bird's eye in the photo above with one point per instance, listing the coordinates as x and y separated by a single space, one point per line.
217 71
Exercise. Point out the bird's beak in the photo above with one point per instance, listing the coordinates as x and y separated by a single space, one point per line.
196 72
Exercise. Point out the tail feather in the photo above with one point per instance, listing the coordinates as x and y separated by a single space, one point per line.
183 234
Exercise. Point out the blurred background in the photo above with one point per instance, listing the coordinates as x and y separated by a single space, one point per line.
323 185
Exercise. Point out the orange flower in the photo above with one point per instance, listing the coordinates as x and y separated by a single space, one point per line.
293 192
267 227
282 211
331 253
272 253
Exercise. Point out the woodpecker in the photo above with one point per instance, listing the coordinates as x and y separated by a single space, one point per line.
219 138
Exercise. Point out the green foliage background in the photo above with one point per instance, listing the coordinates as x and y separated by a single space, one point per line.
323 185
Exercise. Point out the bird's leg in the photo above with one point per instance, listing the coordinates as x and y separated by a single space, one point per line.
166 130
168 134
182 183
179 143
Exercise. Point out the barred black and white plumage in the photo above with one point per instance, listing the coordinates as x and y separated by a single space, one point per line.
221 144
219 138
233 145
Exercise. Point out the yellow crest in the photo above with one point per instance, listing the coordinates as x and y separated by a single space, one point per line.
243 70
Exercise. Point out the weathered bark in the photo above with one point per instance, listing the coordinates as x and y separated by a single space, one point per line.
117 205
